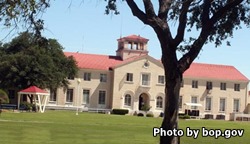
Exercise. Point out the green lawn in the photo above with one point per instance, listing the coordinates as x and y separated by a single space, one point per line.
64 127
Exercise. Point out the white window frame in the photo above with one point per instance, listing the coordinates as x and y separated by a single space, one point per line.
105 97
223 86
69 96
53 96
129 77
87 76
194 99
85 100
103 77
127 100
209 85
208 104
237 87
236 108
222 104
159 102
145 82
195 84
161 79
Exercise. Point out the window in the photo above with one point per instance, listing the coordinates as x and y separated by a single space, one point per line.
223 86
127 100
102 97
159 102
209 85
52 96
236 105
103 77
208 105
194 84
145 79
236 87
194 100
161 79
180 102
222 104
69 95
87 76
85 99
129 77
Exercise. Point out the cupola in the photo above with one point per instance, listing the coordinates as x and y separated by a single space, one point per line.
131 46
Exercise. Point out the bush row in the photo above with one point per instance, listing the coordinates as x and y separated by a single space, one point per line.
120 111
125 111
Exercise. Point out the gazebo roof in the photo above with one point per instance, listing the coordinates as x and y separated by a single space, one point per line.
33 90
41 95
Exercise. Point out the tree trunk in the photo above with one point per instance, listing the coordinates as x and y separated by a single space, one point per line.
173 77
170 121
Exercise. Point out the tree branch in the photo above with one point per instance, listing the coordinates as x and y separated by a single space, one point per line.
186 60
137 12
149 18
164 6
205 13
182 23
149 9
223 10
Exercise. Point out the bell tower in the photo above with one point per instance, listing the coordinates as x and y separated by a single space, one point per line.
132 46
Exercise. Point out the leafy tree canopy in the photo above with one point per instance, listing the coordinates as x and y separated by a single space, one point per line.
24 63
25 13
224 17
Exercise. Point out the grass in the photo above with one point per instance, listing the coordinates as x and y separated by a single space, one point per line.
64 127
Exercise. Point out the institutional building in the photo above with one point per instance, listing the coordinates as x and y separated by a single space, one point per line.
133 78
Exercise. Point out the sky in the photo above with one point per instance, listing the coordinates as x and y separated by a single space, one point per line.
82 26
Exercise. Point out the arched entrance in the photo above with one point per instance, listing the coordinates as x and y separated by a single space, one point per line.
143 101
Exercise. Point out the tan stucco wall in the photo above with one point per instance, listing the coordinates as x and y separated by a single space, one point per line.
229 94
116 87
122 87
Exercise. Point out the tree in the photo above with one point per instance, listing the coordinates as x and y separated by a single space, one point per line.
24 63
215 21
14 13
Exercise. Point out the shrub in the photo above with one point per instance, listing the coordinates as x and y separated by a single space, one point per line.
184 117
161 114
145 108
140 114
135 113
28 106
149 115
120 111
3 97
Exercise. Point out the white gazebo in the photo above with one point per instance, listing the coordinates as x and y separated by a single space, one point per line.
40 96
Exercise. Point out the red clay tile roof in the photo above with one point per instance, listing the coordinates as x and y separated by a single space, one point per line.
196 70
214 71
98 62
135 38
33 89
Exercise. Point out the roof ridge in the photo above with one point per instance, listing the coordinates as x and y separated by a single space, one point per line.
90 54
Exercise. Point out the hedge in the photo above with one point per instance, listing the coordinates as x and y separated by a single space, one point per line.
120 111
